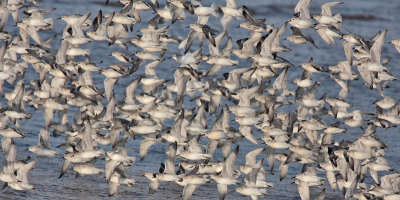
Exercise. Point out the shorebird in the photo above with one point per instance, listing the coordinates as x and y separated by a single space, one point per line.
326 15
99 31
302 17
299 38
226 177
250 188
167 170
230 11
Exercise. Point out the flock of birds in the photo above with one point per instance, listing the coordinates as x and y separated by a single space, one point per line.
244 101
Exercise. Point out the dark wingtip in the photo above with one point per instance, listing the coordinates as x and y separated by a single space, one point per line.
236 149
5 185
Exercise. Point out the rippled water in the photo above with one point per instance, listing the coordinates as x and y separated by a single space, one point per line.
364 17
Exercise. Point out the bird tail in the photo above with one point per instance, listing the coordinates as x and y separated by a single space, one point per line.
46 44
215 11
338 17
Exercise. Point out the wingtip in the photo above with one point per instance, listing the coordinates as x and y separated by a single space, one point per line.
236 151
